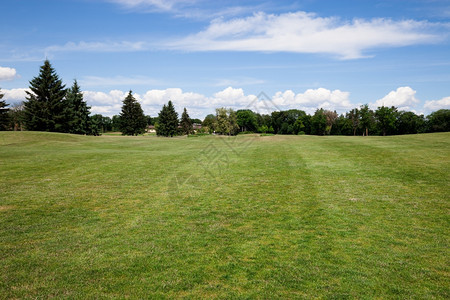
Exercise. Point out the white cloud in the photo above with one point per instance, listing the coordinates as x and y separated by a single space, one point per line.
14 95
239 81
89 81
434 105
312 99
123 46
7 73
163 5
199 105
303 32
176 95
101 98
403 98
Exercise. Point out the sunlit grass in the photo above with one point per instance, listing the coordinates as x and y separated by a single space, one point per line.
228 217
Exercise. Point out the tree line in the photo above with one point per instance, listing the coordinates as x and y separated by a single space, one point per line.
51 107
358 121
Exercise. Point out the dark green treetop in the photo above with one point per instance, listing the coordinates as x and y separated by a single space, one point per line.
167 121
386 118
3 113
186 123
76 111
44 108
132 118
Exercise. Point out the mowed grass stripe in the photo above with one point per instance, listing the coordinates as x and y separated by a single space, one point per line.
284 217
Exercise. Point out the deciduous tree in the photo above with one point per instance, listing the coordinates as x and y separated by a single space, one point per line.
331 117
226 121
353 116
439 120
386 118
246 120
319 122
367 119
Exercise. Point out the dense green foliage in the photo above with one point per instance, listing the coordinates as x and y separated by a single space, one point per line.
226 121
132 118
50 107
186 123
273 217
76 112
358 121
4 117
246 119
319 122
44 108
16 117
439 121
167 121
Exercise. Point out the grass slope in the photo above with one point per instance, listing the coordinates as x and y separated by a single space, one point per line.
244 217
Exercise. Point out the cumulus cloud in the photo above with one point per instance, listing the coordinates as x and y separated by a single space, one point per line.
434 105
199 105
14 95
403 98
314 98
176 95
303 32
7 73
101 98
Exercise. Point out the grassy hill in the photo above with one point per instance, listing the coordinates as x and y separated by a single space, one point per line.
225 217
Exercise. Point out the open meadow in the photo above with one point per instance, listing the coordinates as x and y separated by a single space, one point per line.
224 217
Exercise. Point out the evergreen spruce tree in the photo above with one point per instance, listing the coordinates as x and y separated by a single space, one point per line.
160 127
4 119
44 110
76 111
132 118
95 125
167 121
186 123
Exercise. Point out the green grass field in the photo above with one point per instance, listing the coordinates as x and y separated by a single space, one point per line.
224 217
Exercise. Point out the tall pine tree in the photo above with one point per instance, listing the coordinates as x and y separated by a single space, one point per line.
132 118
167 121
4 119
44 108
186 123
76 111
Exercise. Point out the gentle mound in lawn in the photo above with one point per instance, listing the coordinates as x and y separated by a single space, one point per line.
227 217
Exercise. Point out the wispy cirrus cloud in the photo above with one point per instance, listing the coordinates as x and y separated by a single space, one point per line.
121 46
298 32
157 5
242 81
90 81
302 32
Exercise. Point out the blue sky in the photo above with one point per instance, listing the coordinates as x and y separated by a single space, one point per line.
207 54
